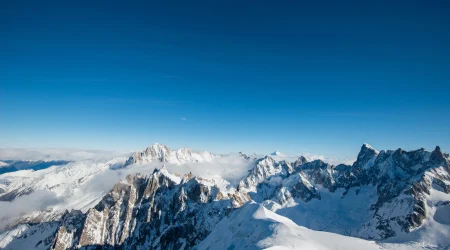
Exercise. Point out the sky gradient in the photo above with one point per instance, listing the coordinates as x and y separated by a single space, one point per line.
250 76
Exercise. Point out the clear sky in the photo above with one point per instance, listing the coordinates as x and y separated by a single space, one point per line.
225 76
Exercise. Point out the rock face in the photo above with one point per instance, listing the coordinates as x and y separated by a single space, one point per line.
160 211
69 231
265 168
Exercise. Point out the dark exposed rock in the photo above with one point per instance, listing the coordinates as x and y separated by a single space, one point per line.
300 190
366 154
437 156
69 230
300 161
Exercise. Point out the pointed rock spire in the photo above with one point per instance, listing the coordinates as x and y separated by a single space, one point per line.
300 161
366 154
437 155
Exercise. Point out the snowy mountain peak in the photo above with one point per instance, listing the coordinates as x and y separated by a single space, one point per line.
162 153
367 145
300 161
157 145
368 148
158 150
244 156
266 159
366 156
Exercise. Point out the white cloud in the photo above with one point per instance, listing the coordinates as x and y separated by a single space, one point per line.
38 200
35 154
231 168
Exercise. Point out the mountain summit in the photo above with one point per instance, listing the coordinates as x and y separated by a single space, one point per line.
161 153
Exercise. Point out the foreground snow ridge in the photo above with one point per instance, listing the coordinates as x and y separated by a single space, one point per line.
255 227
180 199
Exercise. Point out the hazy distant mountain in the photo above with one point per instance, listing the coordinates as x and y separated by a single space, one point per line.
277 153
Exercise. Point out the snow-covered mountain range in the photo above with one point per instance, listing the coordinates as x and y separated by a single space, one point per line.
179 199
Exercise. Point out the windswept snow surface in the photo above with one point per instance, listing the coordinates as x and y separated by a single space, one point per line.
333 212
39 236
255 227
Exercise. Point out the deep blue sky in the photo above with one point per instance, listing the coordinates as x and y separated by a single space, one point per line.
226 76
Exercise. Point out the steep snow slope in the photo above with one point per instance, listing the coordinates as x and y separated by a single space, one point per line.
255 227
38 236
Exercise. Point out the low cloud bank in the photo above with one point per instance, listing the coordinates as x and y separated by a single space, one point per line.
38 200
33 154
231 168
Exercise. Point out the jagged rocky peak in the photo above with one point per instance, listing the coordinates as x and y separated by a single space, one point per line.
318 172
366 156
242 155
366 148
184 153
161 153
300 161
266 159
437 155
245 156
316 164
264 168
154 152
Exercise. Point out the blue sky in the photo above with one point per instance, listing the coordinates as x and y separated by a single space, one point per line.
248 76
